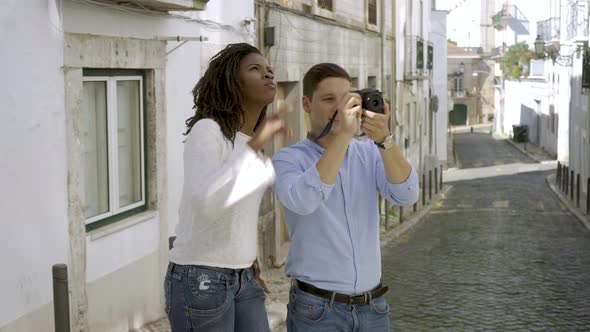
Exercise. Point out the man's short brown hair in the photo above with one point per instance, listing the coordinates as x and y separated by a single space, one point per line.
320 72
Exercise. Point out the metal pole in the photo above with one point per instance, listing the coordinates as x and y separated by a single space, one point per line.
436 180
564 179
430 185
441 177
566 182
578 190
61 299
423 189
572 185
587 196
558 175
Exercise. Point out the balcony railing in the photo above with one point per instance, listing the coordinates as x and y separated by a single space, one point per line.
549 29
511 16
160 5
577 20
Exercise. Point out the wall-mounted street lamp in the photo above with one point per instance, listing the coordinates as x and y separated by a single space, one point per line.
552 51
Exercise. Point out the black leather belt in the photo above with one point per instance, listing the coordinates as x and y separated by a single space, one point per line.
342 298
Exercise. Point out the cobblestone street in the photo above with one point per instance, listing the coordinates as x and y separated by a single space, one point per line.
500 253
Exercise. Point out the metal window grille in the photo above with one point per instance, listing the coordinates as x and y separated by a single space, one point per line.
325 4
373 12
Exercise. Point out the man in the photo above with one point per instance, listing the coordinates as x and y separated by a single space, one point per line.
328 188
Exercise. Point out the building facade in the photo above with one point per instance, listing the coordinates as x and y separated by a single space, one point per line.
101 90
98 92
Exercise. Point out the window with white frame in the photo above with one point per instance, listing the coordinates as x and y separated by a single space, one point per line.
112 145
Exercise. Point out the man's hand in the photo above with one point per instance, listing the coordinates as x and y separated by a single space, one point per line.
259 279
376 125
349 111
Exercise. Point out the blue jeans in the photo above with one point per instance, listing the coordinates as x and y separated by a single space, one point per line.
203 299
308 312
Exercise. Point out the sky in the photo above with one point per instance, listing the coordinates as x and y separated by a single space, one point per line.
461 30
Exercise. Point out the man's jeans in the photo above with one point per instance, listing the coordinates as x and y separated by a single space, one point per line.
200 298
308 312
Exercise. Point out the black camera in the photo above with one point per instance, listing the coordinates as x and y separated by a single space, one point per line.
372 100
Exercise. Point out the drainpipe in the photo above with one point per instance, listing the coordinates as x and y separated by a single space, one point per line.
392 93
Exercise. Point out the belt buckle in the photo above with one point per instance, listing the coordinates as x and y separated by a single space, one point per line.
350 300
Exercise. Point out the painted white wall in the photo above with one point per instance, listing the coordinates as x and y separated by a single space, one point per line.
184 67
33 144
527 103
33 199
579 123
438 36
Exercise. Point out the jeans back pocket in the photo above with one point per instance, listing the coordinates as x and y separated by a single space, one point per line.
208 292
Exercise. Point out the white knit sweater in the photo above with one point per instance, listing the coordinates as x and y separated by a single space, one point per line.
223 187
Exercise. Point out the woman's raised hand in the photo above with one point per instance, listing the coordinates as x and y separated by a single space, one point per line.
271 126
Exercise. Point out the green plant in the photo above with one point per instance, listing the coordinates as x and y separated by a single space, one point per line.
516 62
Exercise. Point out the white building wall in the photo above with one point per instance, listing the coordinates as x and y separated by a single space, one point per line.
35 158
527 103
438 37
579 123
33 199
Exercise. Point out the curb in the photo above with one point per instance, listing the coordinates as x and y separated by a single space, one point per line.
528 154
572 209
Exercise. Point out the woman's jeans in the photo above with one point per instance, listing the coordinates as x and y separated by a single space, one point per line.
308 313
203 299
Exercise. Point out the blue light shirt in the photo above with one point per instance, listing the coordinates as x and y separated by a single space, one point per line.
334 229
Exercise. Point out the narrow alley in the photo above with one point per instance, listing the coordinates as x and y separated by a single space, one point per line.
499 253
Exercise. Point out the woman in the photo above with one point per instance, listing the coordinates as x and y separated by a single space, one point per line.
211 283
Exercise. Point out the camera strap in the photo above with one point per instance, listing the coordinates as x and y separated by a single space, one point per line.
327 128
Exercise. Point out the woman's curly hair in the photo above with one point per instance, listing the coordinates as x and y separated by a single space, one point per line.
217 94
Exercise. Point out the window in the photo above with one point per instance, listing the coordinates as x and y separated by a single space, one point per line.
354 83
458 84
325 4
112 144
372 12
